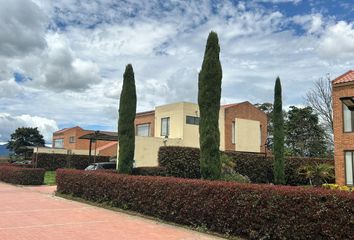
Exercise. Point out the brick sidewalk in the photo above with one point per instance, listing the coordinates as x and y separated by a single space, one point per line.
31 213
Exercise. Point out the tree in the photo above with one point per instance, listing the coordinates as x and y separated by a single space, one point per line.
278 125
126 128
318 174
305 136
320 99
25 136
209 93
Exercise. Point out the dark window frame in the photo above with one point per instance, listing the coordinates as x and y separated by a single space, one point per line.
62 140
343 119
141 124
168 126
345 166
70 139
194 120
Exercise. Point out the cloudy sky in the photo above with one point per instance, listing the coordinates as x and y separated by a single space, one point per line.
61 62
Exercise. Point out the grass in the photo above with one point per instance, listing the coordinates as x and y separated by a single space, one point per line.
49 178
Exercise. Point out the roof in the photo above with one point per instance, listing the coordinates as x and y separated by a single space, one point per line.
65 129
101 135
145 113
344 78
230 105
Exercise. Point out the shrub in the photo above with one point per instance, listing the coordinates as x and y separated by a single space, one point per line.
317 174
180 161
22 176
52 162
338 187
16 165
234 177
247 210
149 171
184 162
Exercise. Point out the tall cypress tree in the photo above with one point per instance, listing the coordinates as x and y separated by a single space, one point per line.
209 93
278 126
126 130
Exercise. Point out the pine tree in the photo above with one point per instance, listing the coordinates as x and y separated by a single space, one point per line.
278 128
126 130
209 93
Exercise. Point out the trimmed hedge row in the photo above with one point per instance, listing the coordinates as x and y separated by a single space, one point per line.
16 165
149 171
180 162
21 175
52 162
247 210
184 162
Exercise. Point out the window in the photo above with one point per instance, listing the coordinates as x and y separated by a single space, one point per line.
143 130
348 119
192 120
71 139
59 143
233 133
349 168
165 126
260 135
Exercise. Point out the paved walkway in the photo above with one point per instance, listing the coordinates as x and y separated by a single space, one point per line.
31 213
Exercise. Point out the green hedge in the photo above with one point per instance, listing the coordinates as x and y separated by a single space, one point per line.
180 162
252 211
149 171
21 175
52 162
184 162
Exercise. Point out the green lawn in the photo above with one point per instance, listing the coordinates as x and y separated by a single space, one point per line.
49 178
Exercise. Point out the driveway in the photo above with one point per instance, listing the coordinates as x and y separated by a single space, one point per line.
31 213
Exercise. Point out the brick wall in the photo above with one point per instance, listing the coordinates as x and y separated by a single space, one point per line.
146 117
342 141
78 144
248 111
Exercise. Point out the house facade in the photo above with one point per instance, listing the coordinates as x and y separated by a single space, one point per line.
343 127
68 140
243 127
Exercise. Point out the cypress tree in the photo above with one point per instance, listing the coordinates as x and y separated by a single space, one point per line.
278 126
209 93
126 129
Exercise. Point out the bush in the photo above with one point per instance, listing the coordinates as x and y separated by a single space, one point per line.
184 162
180 162
149 171
16 165
338 187
234 177
52 162
22 176
247 210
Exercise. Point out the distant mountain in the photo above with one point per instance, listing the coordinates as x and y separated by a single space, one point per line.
4 151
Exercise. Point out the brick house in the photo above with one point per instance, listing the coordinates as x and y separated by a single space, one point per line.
243 127
69 139
343 127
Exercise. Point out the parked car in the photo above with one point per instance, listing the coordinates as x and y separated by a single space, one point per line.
23 162
102 166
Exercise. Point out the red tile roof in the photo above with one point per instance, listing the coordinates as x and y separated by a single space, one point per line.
344 78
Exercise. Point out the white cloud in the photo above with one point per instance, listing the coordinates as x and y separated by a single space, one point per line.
63 71
77 73
9 123
337 41
22 28
312 23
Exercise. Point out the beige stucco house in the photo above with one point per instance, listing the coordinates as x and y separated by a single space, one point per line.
243 127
